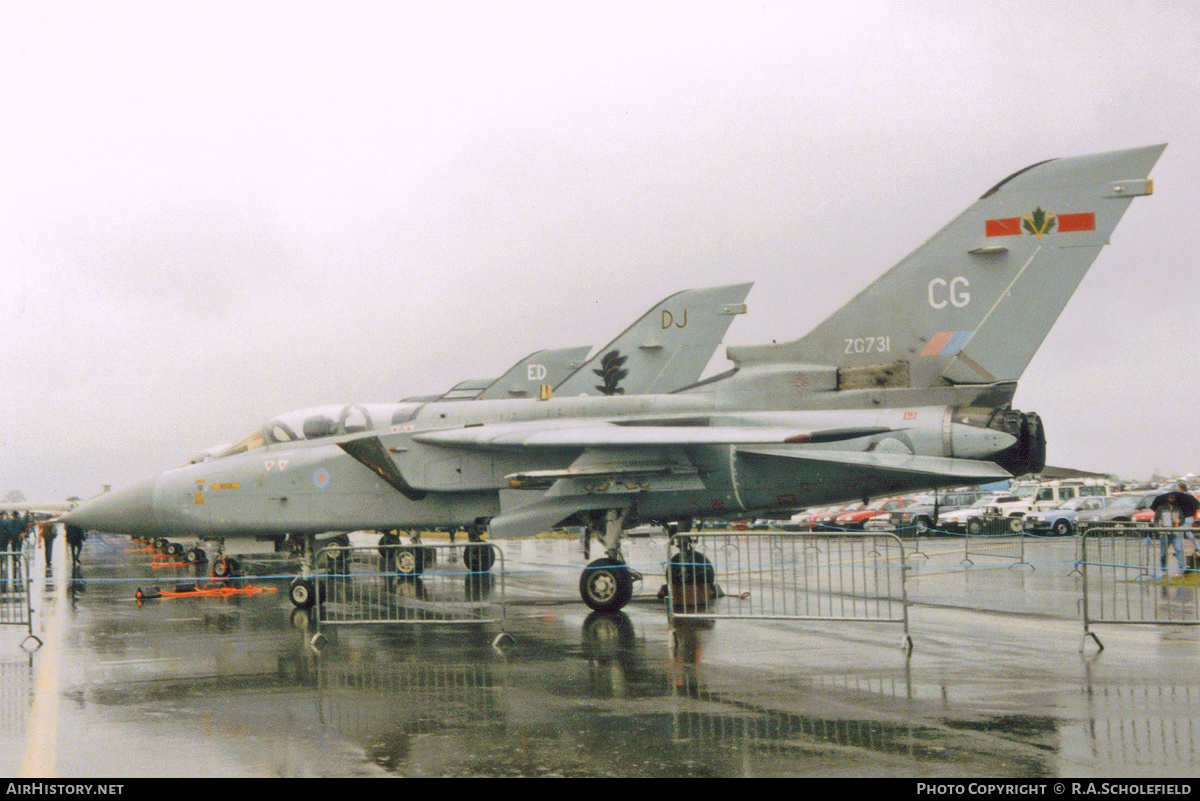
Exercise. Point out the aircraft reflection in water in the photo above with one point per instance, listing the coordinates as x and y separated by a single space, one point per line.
438 714
908 386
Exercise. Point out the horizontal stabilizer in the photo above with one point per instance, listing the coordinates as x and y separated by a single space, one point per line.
598 436
44 508
939 469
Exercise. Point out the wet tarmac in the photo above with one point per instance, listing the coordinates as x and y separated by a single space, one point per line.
996 685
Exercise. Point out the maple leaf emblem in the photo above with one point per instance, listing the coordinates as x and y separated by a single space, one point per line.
1039 222
611 373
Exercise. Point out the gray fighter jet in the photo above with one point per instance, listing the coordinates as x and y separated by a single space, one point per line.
908 386
667 350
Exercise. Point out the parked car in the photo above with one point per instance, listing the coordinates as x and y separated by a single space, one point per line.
803 521
923 515
881 507
827 520
1121 509
1045 495
1007 505
1061 520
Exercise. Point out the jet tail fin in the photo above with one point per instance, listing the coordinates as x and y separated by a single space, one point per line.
666 349
974 302
544 367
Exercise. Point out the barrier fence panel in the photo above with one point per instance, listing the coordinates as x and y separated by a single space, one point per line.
844 577
1138 576
15 592
992 535
410 584
1082 527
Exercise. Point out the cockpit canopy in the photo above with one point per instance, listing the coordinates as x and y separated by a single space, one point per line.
325 421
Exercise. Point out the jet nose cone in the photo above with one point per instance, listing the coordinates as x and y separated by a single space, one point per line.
129 510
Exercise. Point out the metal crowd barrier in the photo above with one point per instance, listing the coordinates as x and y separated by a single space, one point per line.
817 576
15 593
16 697
409 584
1125 580
1145 726
1005 538
1084 527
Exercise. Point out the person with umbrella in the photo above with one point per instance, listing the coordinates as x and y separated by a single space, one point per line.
1171 509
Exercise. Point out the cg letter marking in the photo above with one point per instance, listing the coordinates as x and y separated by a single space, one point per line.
955 292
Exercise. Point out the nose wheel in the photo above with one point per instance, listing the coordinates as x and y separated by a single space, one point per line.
301 593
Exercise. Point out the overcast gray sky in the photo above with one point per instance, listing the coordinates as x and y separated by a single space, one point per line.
214 212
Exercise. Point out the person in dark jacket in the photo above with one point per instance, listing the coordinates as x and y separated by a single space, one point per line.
75 538
1171 509
49 532
6 528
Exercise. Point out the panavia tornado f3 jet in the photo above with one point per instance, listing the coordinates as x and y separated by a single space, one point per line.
908 386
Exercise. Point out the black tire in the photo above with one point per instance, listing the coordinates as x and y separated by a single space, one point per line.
1062 527
160 544
409 561
923 524
1016 524
975 526
174 549
196 556
606 585
302 593
479 558
691 569
223 567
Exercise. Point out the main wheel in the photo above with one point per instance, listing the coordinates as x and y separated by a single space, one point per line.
302 593
409 561
225 566
923 525
975 526
606 585
196 556
479 558
174 549
1016 524
1062 527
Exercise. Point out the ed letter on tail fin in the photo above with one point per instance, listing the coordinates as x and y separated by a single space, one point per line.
972 304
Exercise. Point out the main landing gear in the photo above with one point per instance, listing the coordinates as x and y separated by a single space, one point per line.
606 585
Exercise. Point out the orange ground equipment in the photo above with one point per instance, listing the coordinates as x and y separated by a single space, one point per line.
200 591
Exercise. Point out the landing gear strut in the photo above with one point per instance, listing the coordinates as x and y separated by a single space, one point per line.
302 591
607 584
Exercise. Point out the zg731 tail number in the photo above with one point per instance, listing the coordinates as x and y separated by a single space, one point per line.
868 345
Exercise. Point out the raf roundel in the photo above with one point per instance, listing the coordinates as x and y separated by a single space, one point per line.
321 478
